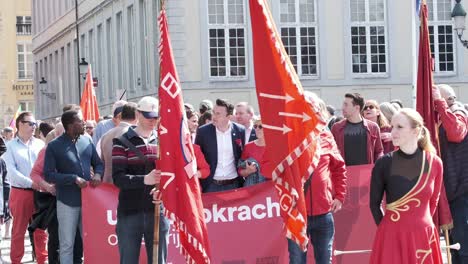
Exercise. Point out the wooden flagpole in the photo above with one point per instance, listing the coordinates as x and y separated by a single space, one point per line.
157 207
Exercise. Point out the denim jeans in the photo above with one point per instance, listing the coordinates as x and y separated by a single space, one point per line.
132 227
459 233
69 218
320 230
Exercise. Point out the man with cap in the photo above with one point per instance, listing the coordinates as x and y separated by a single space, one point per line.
108 124
134 173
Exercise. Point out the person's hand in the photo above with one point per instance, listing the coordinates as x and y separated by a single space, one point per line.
436 93
250 167
336 205
50 188
96 180
81 182
153 178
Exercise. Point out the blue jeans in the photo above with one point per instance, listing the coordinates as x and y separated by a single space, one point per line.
320 230
131 228
459 233
69 218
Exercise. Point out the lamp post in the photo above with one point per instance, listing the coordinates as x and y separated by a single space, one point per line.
42 85
459 17
83 67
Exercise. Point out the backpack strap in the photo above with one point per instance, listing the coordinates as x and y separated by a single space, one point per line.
138 152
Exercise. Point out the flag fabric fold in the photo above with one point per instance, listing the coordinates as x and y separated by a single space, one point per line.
289 120
181 192
13 120
425 106
88 102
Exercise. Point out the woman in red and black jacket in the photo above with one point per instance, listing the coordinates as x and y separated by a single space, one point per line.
324 195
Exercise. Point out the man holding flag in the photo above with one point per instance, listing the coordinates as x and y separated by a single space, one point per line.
454 150
134 173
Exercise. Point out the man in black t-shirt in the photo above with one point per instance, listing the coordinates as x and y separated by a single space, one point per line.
358 139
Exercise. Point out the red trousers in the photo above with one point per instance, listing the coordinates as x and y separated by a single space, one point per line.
22 208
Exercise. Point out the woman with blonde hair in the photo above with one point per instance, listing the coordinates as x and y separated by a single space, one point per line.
411 179
371 111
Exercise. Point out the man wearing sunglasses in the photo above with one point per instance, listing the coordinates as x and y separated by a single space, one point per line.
20 156
135 174
454 149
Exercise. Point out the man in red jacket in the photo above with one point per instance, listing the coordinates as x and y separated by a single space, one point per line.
324 194
358 139
454 153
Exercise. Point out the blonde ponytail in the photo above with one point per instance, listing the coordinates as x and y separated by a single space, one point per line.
424 140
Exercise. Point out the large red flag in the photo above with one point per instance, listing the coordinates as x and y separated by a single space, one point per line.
290 121
425 106
181 192
88 103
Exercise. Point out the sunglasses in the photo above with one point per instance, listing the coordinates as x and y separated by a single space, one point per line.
30 123
258 126
368 107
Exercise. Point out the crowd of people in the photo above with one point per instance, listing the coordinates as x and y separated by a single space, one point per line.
45 165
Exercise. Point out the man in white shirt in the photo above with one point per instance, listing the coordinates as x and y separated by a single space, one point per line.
221 143
20 156
244 115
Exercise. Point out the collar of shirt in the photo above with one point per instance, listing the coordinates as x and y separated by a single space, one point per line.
228 131
131 133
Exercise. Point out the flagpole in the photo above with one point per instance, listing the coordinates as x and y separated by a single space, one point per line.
157 208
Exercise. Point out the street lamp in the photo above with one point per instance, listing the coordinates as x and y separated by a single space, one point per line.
83 67
42 85
459 16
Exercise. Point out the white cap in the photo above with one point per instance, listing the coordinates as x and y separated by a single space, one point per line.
149 107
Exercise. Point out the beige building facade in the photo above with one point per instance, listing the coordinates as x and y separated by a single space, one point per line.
366 46
16 75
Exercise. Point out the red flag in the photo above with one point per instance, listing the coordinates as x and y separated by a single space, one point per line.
181 191
88 103
425 107
289 120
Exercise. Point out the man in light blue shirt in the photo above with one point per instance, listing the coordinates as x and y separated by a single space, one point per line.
20 156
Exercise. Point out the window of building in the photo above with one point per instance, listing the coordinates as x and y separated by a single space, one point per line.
109 66
226 36
298 28
131 47
27 106
368 37
441 35
120 53
23 25
25 61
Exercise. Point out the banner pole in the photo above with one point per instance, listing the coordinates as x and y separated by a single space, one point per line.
447 241
157 210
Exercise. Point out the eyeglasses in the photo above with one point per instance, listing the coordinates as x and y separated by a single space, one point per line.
368 107
30 123
258 126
